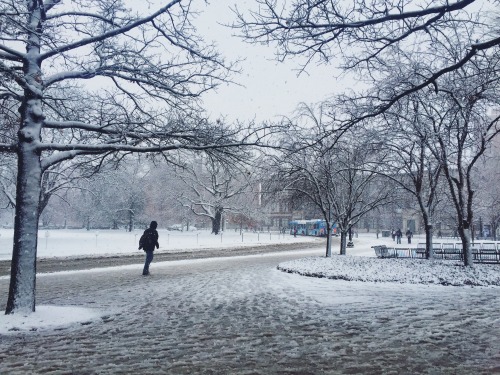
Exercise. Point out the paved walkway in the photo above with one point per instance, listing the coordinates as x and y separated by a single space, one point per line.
242 316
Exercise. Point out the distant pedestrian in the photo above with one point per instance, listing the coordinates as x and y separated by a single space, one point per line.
393 234
148 242
399 234
295 232
409 235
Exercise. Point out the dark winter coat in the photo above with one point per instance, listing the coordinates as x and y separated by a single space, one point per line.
150 240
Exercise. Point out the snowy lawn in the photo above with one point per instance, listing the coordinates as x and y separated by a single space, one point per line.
360 265
80 242
410 271
240 315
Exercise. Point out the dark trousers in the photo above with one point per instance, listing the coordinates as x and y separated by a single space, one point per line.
149 259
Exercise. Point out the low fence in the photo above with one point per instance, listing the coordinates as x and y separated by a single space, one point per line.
488 252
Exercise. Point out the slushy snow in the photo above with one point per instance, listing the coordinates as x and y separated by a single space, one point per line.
360 265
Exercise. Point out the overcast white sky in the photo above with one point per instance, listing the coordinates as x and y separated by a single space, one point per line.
269 88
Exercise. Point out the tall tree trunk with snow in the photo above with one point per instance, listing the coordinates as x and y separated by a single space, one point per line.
328 240
464 231
216 221
429 250
29 175
343 242
462 197
23 267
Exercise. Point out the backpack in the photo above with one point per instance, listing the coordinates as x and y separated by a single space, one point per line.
146 240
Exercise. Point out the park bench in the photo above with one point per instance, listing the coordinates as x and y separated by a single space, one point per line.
378 252
489 246
437 249
489 253
405 252
476 249
420 250
382 251
482 253
488 256
450 252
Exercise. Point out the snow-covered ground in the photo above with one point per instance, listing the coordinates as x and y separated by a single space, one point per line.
235 315
80 242
240 315
409 271
361 265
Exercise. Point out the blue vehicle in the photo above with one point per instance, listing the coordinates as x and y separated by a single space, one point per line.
315 227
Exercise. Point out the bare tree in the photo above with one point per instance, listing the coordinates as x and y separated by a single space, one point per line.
214 188
366 37
162 189
402 48
410 163
150 70
338 175
462 129
124 194
488 191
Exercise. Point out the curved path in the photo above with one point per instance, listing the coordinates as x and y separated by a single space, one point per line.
240 315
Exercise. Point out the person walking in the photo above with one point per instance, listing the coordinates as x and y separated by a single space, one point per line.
148 242
409 235
399 234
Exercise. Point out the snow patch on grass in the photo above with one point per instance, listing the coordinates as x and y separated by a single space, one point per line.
47 317
411 271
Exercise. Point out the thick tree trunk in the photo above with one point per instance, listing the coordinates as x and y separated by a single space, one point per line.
429 251
23 267
216 222
343 242
464 232
29 176
328 241
427 219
